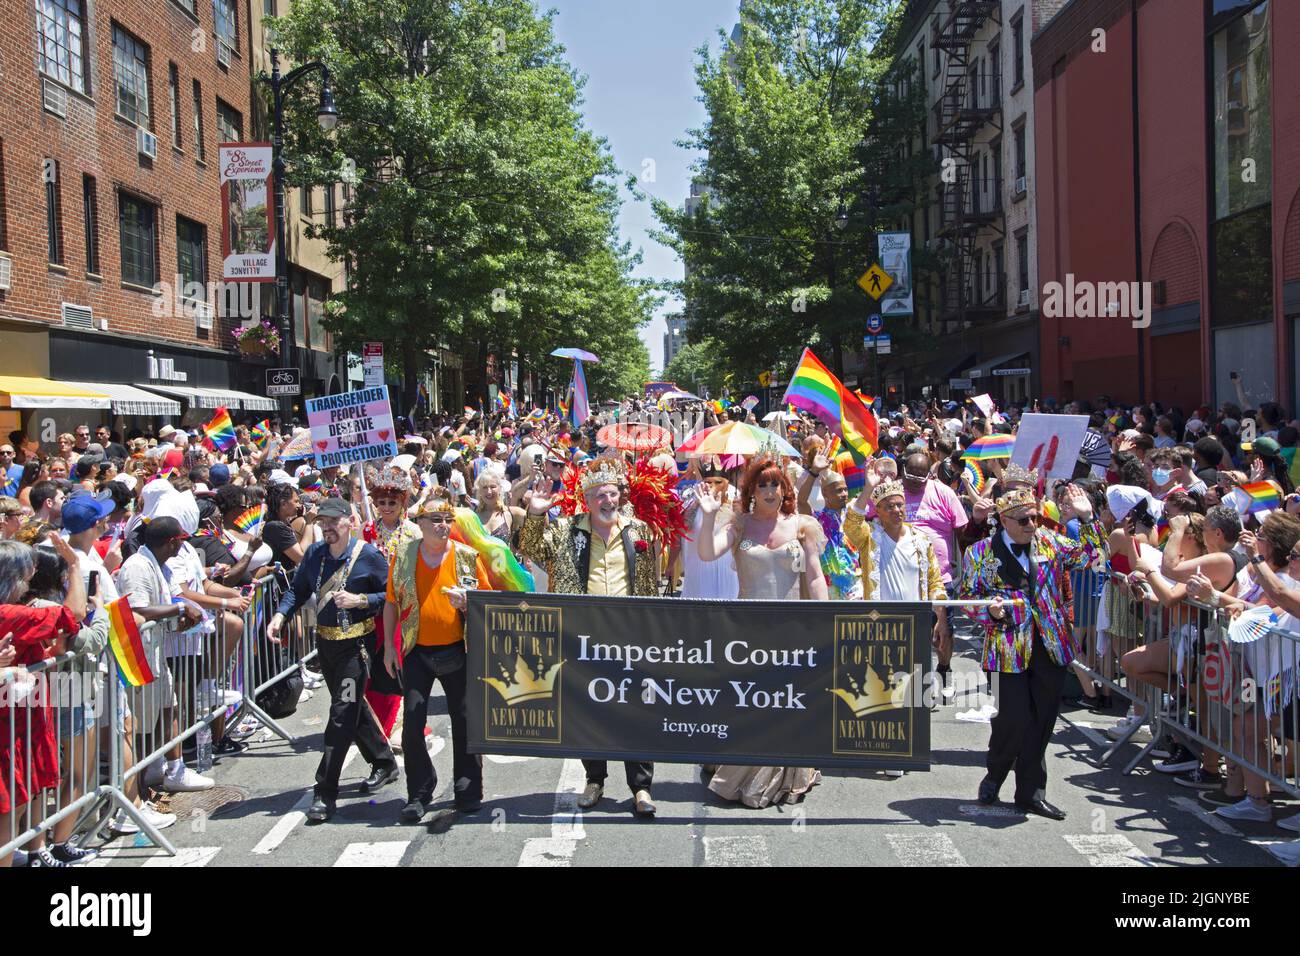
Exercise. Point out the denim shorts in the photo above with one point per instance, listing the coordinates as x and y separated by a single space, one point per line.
75 721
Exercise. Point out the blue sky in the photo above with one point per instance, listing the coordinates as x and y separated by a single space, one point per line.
639 59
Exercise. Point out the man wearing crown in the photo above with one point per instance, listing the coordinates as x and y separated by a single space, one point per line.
600 551
1022 569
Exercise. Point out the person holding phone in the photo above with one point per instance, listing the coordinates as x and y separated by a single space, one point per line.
283 507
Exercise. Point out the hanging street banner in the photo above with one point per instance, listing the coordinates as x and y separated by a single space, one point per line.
351 427
247 226
779 683
894 250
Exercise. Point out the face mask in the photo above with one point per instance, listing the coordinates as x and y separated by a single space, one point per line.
1161 476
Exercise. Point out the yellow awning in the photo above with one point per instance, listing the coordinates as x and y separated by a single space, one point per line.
19 392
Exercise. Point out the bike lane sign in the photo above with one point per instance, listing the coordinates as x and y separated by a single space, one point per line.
283 381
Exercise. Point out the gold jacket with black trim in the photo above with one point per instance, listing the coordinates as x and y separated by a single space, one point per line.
563 548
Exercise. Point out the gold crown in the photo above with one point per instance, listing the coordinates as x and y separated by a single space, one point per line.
1019 498
885 489
605 471
1014 472
526 684
872 695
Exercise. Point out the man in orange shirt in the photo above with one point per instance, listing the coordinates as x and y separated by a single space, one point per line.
426 593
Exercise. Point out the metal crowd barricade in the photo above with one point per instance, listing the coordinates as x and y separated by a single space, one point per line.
269 664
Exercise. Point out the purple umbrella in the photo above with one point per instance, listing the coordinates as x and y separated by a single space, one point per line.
581 354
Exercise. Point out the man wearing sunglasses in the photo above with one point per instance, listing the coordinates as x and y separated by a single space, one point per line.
1027 637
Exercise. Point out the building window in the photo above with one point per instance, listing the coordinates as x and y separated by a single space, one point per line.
61 42
304 200
138 228
230 124
1242 115
1018 50
198 121
131 77
995 77
191 253
1022 259
90 210
999 274
224 23
188 6
53 211
331 211
317 292
4 232
1018 141
995 149
174 96
268 8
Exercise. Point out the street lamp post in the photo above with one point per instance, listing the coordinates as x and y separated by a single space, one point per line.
327 116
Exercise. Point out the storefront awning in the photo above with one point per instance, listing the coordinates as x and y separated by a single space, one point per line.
987 366
19 392
129 400
228 398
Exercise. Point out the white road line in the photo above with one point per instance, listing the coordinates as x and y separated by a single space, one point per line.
736 851
1212 820
566 822
925 849
978 810
185 856
111 850
1108 849
1096 739
387 854
506 758
286 824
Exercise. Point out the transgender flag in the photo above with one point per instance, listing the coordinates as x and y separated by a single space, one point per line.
578 408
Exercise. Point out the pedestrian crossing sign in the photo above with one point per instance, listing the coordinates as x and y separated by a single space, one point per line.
875 282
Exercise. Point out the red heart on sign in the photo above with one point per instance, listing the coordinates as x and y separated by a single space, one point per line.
383 435
322 445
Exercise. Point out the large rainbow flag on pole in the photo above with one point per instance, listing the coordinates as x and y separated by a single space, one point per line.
128 647
819 393
221 430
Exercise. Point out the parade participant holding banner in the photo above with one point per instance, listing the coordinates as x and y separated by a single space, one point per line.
426 594
1027 636
777 554
599 552
347 580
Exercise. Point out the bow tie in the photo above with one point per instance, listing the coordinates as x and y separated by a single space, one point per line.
1019 550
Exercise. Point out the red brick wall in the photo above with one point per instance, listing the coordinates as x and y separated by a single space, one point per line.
91 140
1177 262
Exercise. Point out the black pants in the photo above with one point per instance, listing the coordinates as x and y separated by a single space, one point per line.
639 775
1028 704
419 670
345 667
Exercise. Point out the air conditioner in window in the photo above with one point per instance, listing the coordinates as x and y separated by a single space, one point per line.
202 314
223 53
1020 186
146 143
6 274
54 98
1023 299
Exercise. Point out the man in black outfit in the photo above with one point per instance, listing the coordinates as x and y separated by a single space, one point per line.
347 580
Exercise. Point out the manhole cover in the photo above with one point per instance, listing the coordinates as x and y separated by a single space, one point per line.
205 802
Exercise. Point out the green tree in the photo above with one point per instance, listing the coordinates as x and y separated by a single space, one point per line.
697 366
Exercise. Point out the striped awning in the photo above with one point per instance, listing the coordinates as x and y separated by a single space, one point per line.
228 398
129 400
17 391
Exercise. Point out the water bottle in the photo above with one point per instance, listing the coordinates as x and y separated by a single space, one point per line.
204 748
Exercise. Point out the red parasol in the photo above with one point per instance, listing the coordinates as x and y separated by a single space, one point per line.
634 437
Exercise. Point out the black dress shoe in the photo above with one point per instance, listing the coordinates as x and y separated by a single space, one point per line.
641 805
414 811
320 810
1041 808
591 796
379 777
988 793
468 803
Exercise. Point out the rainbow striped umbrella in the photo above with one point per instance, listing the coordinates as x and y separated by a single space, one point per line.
736 438
991 446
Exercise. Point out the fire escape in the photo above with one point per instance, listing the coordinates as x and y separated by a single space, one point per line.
970 289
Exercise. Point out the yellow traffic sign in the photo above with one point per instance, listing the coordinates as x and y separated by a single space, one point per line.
765 379
875 282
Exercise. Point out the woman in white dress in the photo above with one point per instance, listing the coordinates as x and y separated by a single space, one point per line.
777 554
708 579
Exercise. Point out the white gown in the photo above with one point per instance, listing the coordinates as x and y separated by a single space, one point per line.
707 579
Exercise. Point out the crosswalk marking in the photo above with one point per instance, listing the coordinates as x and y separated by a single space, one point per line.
736 851
185 856
925 849
566 822
386 854
286 824
1108 849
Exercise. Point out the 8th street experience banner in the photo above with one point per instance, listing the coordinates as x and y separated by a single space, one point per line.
813 684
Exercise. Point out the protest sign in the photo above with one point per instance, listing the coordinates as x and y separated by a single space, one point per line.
351 427
1049 443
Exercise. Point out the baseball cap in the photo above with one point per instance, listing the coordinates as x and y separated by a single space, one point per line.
334 508
218 475
84 511
1262 446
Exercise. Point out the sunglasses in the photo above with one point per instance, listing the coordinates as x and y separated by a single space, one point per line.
1026 521
435 519
386 502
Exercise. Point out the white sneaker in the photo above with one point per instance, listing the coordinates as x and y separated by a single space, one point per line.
155 772
1122 728
124 825
1290 823
1246 809
894 773
311 679
210 696
187 781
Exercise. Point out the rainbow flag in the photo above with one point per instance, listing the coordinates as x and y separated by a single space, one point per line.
504 403
221 430
261 433
422 396
990 446
975 475
537 414
579 406
1162 530
815 390
505 573
128 647
855 475
250 520
1264 496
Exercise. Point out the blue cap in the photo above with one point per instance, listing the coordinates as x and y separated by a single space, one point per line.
84 511
218 475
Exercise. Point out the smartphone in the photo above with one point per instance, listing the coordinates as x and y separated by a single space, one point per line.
537 461
92 588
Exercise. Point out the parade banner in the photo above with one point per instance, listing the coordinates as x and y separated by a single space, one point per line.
247 227
781 683
351 427
1049 444
895 252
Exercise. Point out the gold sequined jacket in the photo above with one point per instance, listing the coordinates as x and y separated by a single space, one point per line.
563 548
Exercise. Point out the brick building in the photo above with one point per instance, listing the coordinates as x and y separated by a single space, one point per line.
1168 152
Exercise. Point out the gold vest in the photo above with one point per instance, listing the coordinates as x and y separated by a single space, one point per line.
404 589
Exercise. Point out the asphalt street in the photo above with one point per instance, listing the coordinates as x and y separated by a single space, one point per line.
530 817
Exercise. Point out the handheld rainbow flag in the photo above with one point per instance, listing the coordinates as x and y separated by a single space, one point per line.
1162 530
221 430
422 395
990 446
504 571
128 647
261 433
1263 496
815 390
537 414
250 520
855 476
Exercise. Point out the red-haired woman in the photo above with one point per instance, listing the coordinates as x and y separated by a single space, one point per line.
777 553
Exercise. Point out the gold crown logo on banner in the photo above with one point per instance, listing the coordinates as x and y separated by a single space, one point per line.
872 695
525 684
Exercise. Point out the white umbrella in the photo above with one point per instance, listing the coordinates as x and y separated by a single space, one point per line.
679 397
780 416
